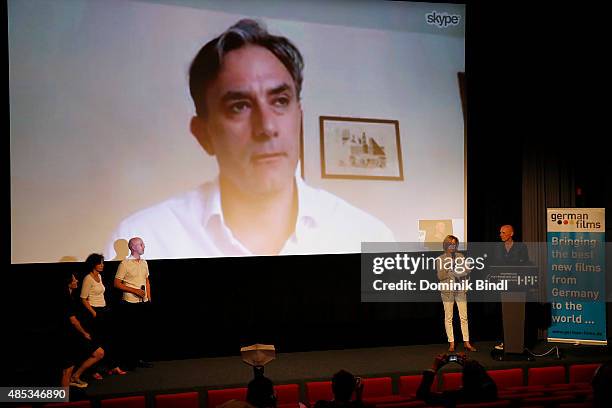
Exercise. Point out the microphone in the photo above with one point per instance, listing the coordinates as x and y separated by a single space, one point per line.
142 287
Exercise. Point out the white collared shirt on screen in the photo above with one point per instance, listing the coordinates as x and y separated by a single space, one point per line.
191 225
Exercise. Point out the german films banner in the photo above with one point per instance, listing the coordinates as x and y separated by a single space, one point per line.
576 275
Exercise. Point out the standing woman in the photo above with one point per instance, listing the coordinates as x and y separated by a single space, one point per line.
77 343
448 272
92 296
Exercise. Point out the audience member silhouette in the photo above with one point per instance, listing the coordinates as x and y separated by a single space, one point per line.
344 384
477 386
602 385
260 392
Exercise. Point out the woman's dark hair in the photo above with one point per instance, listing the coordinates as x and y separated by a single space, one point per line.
207 63
93 260
67 279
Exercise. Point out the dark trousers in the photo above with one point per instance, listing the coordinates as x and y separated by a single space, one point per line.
134 340
103 330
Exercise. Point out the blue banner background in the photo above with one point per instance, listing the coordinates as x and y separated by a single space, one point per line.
568 322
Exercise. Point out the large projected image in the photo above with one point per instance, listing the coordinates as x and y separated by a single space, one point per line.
214 129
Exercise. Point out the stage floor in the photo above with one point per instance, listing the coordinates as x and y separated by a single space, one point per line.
224 372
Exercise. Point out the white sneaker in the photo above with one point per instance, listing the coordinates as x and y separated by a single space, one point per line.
77 382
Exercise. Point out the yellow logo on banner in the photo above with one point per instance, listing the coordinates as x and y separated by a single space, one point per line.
576 220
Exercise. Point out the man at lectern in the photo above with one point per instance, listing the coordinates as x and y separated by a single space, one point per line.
510 253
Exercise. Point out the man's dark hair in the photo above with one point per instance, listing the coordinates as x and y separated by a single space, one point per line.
343 385
207 63
260 393
93 260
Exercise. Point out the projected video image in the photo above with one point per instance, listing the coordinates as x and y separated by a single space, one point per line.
241 129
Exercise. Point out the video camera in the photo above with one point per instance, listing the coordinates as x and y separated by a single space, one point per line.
454 358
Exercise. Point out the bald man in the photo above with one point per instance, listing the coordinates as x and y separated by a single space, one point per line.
511 252
132 279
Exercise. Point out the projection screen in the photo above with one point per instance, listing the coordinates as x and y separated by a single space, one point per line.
101 147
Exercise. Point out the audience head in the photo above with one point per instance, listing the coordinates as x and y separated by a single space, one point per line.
477 381
260 392
602 389
343 385
473 373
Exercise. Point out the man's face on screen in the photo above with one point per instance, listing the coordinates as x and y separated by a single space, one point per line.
253 121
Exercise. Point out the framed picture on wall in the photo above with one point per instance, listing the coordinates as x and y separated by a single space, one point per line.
360 148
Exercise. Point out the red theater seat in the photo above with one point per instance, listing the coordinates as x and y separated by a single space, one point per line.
318 390
518 396
552 401
585 404
451 381
377 387
578 394
218 397
287 394
546 375
290 405
409 384
404 404
507 378
182 400
526 388
582 373
74 404
379 391
490 404
541 388
124 402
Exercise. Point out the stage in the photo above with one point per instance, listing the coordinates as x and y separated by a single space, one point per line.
301 367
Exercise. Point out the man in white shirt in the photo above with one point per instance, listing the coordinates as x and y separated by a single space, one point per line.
132 278
246 87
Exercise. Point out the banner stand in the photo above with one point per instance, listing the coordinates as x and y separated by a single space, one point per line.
576 275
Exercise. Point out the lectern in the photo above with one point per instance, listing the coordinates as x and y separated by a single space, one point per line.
521 288
513 315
